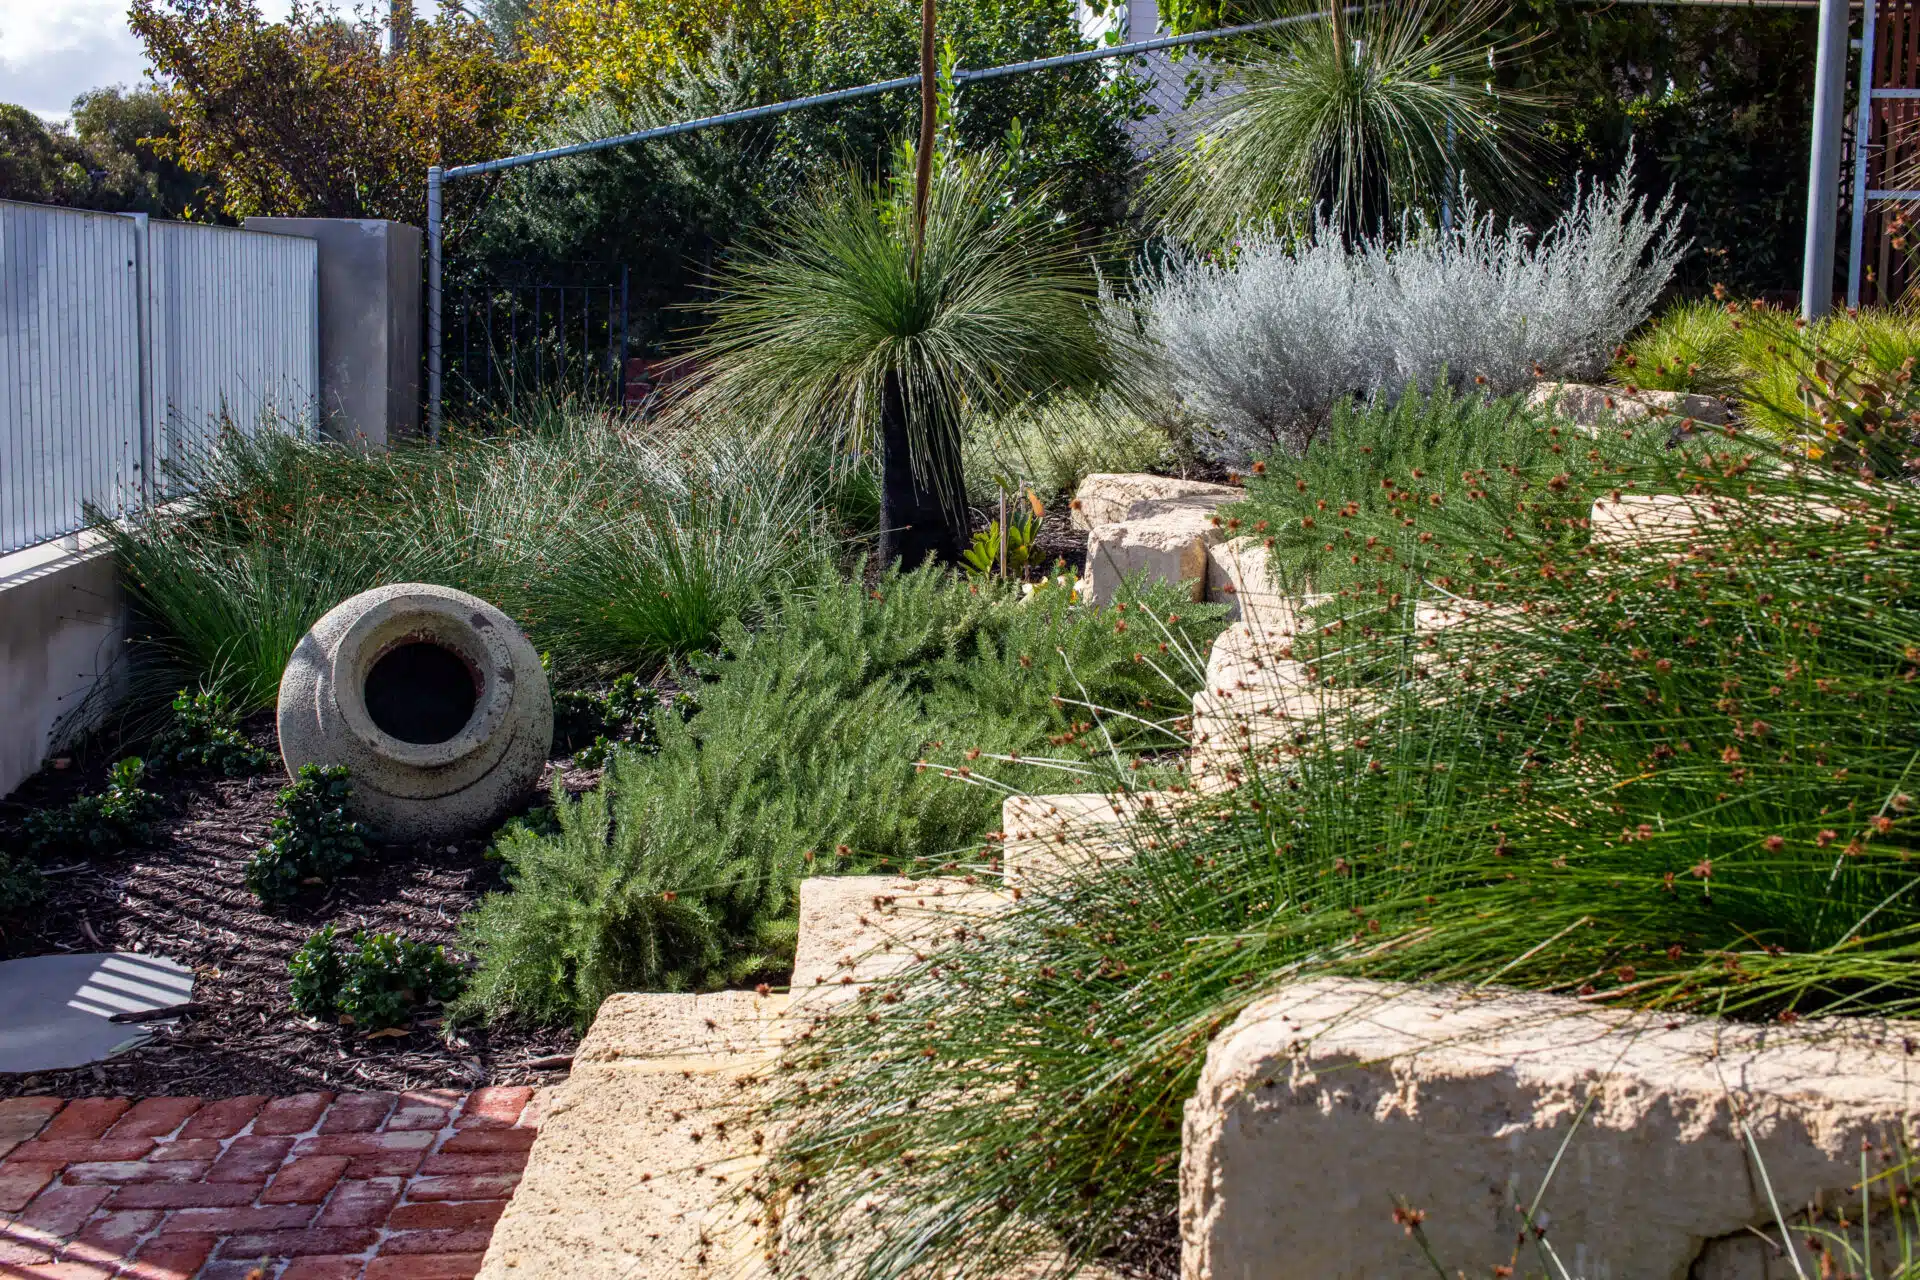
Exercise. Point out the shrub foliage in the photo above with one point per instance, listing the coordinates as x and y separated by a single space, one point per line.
312 840
203 733
370 981
107 821
680 870
1261 344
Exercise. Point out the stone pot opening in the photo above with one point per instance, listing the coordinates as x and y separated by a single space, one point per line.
420 692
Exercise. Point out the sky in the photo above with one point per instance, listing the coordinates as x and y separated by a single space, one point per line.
53 50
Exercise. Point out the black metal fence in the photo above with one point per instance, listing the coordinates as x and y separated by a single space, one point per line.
537 330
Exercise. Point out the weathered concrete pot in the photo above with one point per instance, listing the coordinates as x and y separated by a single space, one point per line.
434 701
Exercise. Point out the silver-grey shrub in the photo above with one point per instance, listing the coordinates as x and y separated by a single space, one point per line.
1257 347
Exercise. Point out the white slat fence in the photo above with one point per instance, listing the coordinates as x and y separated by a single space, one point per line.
125 344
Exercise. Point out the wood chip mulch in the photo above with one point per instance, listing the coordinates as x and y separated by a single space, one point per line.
184 896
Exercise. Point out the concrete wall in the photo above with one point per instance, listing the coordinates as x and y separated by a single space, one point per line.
62 632
370 324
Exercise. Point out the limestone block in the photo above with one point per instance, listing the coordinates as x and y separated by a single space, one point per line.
1058 835
1458 1104
1238 577
433 700
1109 497
630 1175
1655 518
858 930
1165 540
1591 406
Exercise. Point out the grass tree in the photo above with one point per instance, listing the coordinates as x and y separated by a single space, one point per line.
1362 117
858 323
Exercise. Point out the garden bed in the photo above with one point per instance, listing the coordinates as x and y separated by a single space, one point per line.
183 895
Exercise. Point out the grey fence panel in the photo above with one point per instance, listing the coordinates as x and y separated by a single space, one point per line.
70 409
235 335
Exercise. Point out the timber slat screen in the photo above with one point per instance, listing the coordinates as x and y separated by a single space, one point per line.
1893 153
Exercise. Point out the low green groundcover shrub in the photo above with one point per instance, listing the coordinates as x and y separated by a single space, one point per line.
312 840
104 822
680 870
1675 777
21 888
204 733
370 981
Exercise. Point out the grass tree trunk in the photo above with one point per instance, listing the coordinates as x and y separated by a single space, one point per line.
915 525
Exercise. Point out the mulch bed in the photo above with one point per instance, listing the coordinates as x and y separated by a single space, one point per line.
184 896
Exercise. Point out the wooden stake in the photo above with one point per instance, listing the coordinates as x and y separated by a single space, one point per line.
929 109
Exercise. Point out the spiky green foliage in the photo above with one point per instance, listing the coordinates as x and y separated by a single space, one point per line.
312 839
612 546
1776 368
812 328
374 981
1677 776
680 870
1393 123
1332 517
1052 445
117 816
1691 346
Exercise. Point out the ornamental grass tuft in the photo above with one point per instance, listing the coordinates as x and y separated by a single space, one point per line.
614 549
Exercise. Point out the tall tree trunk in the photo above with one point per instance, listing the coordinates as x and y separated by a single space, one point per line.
915 526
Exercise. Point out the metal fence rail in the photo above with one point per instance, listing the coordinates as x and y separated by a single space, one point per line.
125 344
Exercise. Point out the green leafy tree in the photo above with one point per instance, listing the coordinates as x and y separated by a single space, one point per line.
1715 102
674 210
312 116
127 133
37 163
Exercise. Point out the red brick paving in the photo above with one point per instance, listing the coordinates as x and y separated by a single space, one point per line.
362 1186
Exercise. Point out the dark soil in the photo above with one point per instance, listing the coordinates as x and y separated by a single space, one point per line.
183 896
1149 1245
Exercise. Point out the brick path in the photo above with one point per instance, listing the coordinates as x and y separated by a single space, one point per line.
383 1186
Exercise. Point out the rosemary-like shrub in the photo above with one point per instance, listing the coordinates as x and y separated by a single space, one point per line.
680 870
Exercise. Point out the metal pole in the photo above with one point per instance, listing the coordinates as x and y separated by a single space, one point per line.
1862 136
434 177
1823 163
